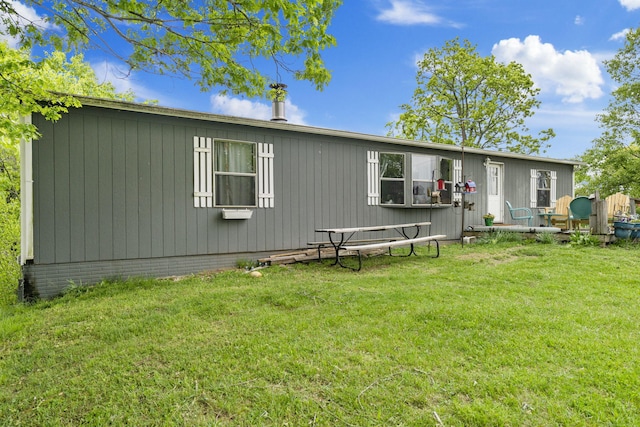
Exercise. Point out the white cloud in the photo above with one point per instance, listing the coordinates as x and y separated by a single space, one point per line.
221 104
579 20
620 35
25 15
630 4
124 81
408 12
574 75
294 113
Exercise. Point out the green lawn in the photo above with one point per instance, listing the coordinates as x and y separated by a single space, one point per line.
504 334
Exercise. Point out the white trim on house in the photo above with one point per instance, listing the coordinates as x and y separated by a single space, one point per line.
554 196
373 178
202 172
457 179
266 194
533 189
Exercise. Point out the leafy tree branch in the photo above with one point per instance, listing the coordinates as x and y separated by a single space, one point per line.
216 42
614 158
463 98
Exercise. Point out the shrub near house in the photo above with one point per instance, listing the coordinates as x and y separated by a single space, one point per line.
9 248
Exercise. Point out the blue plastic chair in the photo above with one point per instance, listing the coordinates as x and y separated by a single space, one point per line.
579 211
520 213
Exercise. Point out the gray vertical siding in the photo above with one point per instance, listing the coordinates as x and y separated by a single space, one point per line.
44 195
88 183
132 189
77 195
114 186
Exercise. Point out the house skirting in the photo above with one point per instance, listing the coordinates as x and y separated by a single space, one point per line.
50 280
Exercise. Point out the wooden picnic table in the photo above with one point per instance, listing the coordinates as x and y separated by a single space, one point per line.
339 238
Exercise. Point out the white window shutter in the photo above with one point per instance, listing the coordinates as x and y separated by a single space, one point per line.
554 195
202 172
373 178
534 188
266 196
457 178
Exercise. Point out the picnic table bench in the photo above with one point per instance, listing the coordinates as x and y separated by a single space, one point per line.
341 240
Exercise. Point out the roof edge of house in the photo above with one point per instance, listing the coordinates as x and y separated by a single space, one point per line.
197 115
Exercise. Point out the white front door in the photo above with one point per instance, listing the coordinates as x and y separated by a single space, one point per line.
495 190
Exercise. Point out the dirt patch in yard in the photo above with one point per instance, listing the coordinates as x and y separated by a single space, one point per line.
506 256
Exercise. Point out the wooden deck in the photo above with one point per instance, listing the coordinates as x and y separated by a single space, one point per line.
562 236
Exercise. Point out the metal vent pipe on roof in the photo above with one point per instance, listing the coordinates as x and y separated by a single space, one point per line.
278 94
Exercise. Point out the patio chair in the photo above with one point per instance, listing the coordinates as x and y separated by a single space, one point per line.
617 204
562 208
520 213
579 211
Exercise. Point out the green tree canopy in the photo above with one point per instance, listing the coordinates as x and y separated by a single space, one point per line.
218 42
464 98
27 87
612 166
614 158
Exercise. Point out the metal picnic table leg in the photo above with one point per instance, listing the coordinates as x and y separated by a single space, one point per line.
403 232
337 246
320 246
437 249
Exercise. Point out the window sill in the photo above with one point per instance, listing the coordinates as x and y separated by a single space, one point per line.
236 213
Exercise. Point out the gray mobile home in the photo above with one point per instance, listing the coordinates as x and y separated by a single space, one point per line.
116 190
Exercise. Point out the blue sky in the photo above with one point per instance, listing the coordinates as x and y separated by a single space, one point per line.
561 43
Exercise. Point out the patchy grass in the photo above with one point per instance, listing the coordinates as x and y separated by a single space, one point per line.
503 334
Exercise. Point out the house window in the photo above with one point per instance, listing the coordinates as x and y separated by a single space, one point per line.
232 173
392 178
543 189
431 179
235 173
